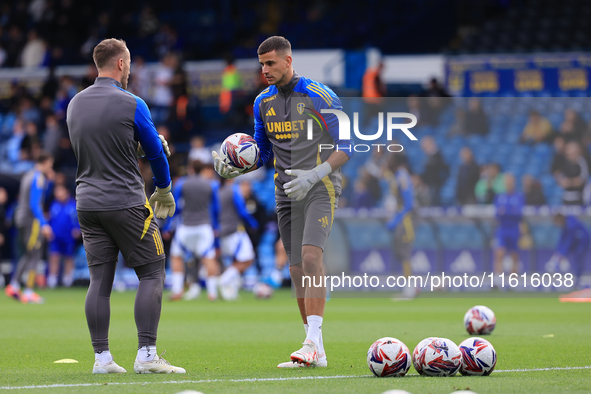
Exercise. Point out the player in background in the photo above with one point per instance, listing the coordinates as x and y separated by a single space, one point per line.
199 212
402 222
66 229
234 241
33 228
508 207
307 179
105 123
574 245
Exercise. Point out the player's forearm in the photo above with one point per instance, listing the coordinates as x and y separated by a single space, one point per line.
337 159
161 171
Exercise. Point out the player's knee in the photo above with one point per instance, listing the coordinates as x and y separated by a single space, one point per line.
312 263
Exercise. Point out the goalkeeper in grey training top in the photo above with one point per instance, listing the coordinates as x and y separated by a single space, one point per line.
105 123
307 179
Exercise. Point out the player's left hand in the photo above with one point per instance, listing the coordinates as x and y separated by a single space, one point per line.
165 147
163 203
304 180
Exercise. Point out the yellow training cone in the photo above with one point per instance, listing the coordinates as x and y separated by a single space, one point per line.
66 361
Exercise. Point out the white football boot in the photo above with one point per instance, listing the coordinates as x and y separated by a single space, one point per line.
322 362
307 355
157 365
193 293
110 367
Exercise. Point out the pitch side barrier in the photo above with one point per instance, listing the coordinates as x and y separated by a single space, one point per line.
452 254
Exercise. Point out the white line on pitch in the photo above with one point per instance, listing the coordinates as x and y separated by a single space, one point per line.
542 369
255 379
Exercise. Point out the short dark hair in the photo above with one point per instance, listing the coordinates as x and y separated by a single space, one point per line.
43 157
106 50
197 166
275 43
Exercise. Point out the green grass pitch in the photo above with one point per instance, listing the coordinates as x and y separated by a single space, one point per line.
234 347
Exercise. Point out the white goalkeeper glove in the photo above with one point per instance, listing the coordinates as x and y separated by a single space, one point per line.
162 202
224 170
304 180
141 153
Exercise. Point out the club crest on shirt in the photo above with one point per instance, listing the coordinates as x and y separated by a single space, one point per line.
300 107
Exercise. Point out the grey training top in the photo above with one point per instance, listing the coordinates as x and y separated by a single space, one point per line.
105 123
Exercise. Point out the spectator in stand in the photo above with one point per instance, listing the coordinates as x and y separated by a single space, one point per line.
30 145
92 74
476 119
434 102
468 176
139 83
367 191
491 183
573 127
377 162
162 98
361 197
436 170
199 151
421 191
28 110
148 22
532 190
373 90
3 55
66 229
435 89
51 84
574 175
232 85
538 129
559 159
459 125
35 51
52 136
180 96
14 45
166 40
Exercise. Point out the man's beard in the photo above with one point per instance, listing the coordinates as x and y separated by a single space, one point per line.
124 80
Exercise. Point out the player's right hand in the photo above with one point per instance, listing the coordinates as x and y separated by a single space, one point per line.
224 170
162 201
47 232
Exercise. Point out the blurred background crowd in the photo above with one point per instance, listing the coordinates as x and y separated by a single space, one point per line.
466 146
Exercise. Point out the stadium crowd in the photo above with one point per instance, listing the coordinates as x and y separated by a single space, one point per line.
42 33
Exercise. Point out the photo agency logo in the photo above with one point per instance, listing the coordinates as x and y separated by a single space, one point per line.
345 129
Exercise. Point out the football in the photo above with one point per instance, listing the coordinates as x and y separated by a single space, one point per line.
262 290
440 357
480 320
417 352
478 357
388 357
240 150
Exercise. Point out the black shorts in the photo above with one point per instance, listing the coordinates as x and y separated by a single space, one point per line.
132 231
306 222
